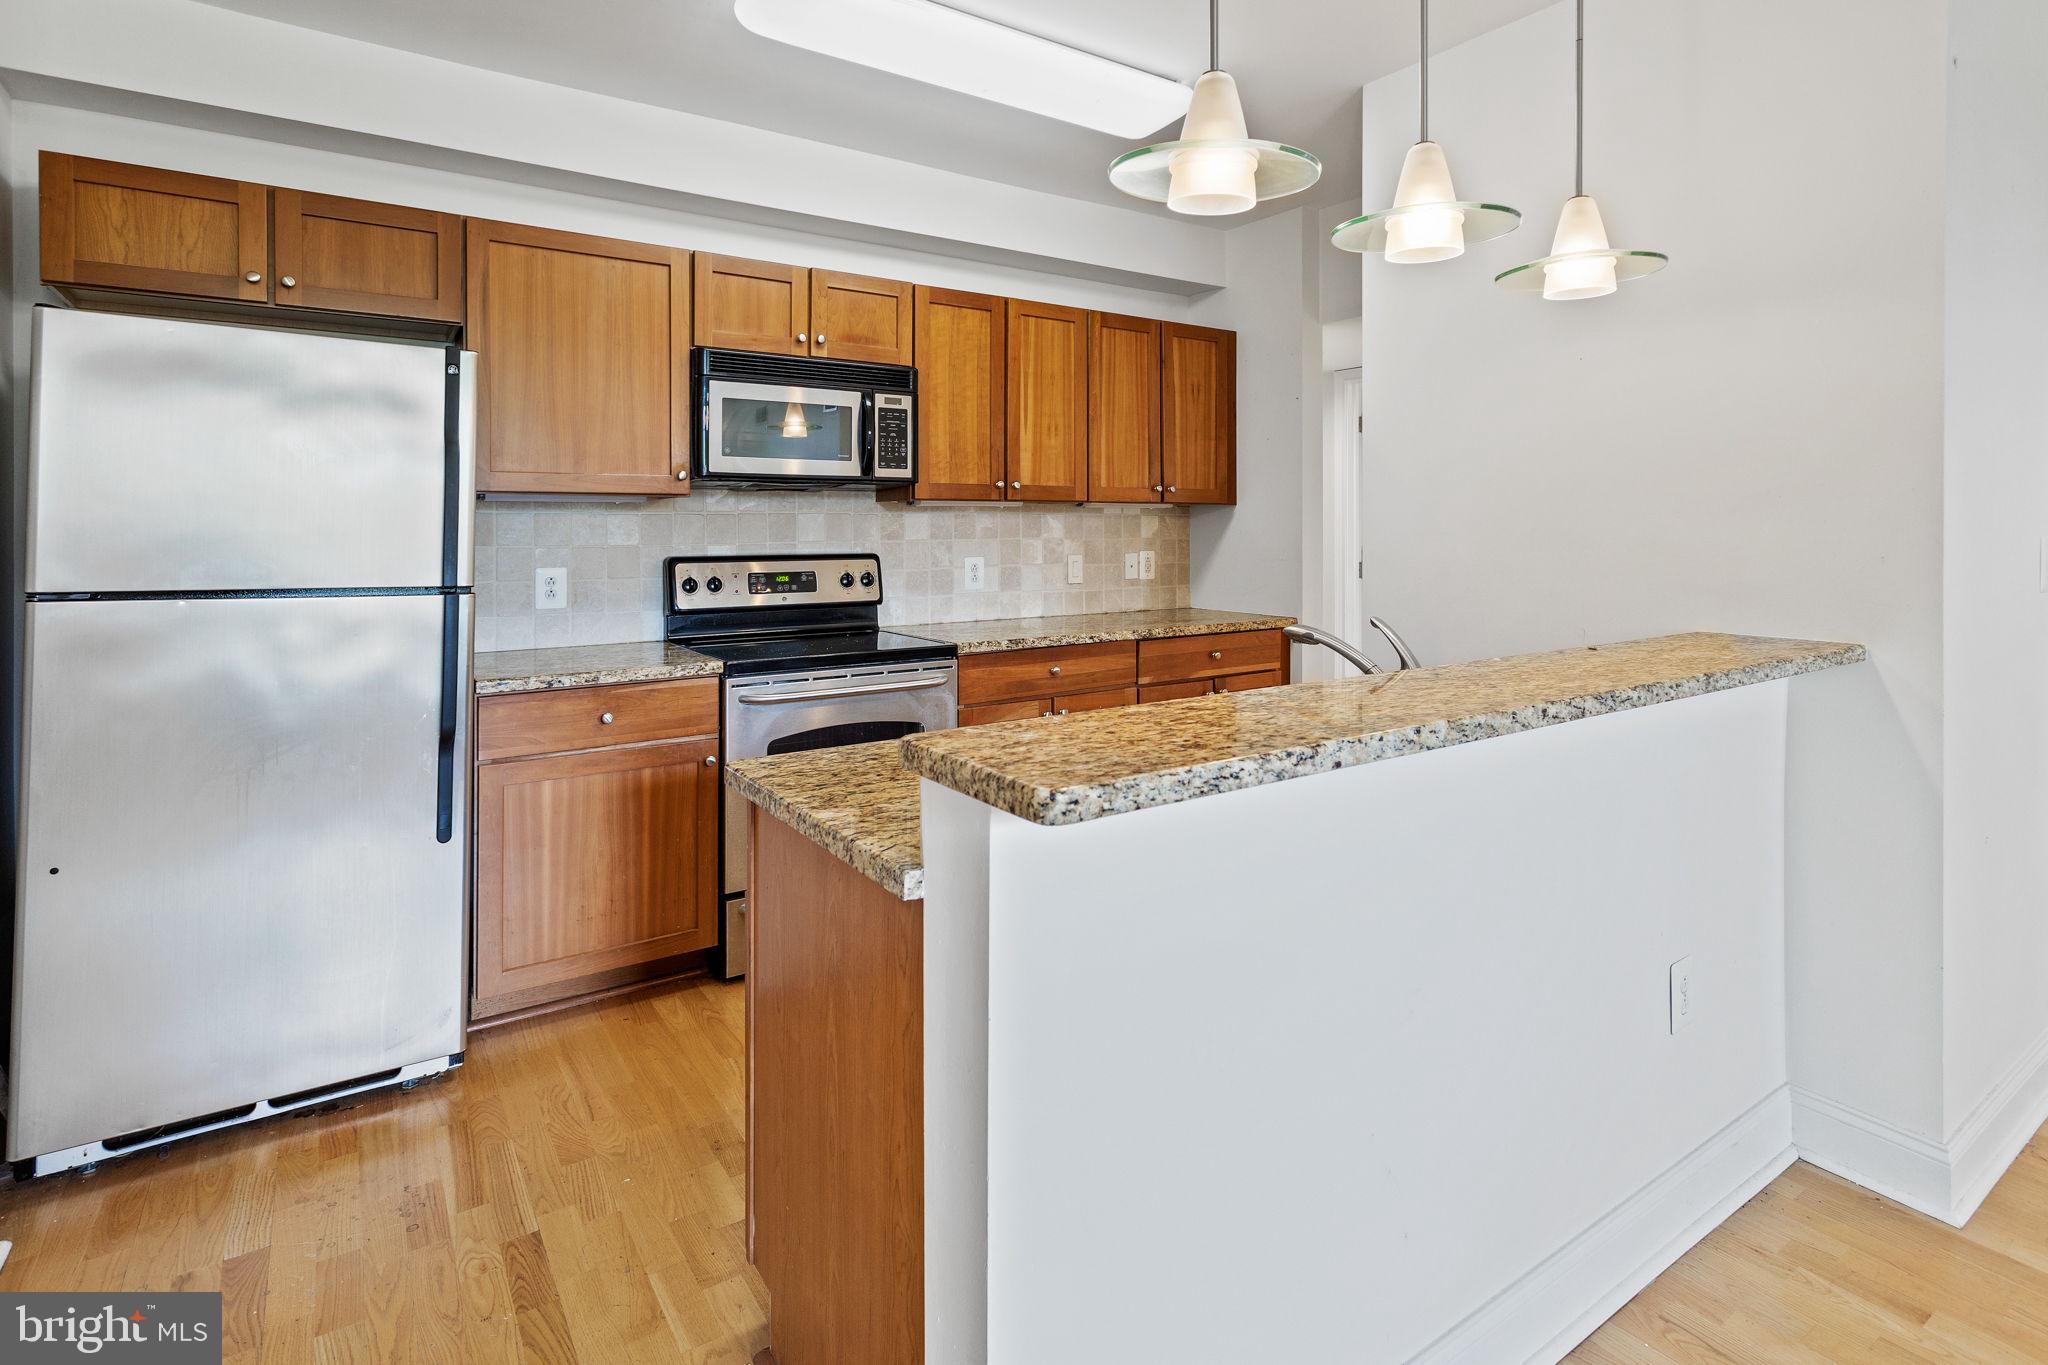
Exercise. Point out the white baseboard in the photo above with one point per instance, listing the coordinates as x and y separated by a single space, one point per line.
1865 1150
1947 1180
1997 1131
1541 1316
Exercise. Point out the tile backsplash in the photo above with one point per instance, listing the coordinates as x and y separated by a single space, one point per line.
614 552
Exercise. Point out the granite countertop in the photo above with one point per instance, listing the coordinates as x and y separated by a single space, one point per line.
859 802
1065 770
1103 627
539 670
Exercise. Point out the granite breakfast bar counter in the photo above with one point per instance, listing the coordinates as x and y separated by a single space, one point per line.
1292 1033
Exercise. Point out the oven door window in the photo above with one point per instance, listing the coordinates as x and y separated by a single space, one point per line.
780 431
838 736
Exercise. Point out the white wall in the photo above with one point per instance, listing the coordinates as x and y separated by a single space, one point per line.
1404 1103
1253 556
1749 442
1995 497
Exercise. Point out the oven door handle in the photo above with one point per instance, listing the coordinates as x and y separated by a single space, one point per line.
834 693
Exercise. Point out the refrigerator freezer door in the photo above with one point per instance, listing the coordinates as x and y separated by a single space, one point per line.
232 888
176 456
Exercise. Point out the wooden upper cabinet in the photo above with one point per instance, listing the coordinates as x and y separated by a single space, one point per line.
858 317
960 383
1198 418
1047 402
1123 409
753 305
353 256
112 226
583 371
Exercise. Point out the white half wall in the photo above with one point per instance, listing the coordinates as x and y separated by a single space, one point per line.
1371 1066
1750 441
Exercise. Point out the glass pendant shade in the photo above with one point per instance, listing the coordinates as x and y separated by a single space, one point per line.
1215 166
794 425
1428 221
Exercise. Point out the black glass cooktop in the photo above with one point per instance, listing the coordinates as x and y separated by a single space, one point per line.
780 652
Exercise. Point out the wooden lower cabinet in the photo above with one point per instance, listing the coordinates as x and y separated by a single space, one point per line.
1174 691
594 869
993 712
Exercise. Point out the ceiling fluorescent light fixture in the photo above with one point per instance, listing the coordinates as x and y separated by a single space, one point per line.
955 51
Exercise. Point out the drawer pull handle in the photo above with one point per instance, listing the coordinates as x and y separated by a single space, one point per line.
1054 670
1215 653
254 277
605 719
711 760
1062 711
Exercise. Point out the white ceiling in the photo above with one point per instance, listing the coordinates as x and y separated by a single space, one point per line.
1299 65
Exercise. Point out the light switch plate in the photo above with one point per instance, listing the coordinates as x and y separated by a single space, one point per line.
1131 564
550 589
1682 1003
976 573
1148 564
1073 568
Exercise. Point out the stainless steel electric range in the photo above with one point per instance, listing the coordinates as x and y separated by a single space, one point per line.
807 666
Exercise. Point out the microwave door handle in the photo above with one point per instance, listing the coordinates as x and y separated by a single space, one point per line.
834 693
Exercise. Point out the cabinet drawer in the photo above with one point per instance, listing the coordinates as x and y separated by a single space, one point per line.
1004 710
1174 691
1245 682
595 717
1095 701
1023 673
1210 656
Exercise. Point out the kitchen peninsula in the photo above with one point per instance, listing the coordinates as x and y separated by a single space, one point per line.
1487 1037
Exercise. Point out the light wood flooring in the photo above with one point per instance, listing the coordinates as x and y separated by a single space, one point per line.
575 1193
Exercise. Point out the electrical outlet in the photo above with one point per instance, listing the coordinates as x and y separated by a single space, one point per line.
1148 564
1073 568
550 589
1682 1003
1131 564
976 573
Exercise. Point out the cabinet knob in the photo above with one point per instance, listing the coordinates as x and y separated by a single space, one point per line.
1172 489
1015 484
683 474
1054 670
254 277
1158 488
605 719
287 281
821 338
711 760
1215 653
802 338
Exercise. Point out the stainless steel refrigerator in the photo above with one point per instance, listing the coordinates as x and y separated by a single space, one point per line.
245 770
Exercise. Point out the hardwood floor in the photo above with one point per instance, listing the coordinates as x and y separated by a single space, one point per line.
576 1193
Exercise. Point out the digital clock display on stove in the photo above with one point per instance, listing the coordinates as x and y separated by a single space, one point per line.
806 581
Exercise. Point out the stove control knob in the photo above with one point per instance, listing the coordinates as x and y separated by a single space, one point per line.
846 580
714 584
688 585
867 580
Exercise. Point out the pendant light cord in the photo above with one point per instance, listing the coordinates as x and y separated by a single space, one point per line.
1579 150
1215 41
1425 72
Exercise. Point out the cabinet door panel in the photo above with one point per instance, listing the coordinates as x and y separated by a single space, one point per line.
960 380
857 317
591 862
753 305
1095 701
583 382
1246 682
1004 710
1047 402
114 226
1123 409
1198 419
358 257
1200 687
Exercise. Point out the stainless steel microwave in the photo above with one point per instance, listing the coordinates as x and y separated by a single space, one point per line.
771 420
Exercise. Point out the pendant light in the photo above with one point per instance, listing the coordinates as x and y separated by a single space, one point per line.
1581 265
794 424
1214 167
1428 222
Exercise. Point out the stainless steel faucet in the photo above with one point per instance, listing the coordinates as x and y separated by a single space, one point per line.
1309 635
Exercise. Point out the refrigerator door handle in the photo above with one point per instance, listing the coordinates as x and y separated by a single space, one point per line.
451 671
458 433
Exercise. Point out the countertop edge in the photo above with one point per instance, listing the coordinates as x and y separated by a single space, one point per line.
1142 791
1115 635
906 883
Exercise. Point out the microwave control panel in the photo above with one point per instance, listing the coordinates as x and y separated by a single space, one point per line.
893 436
